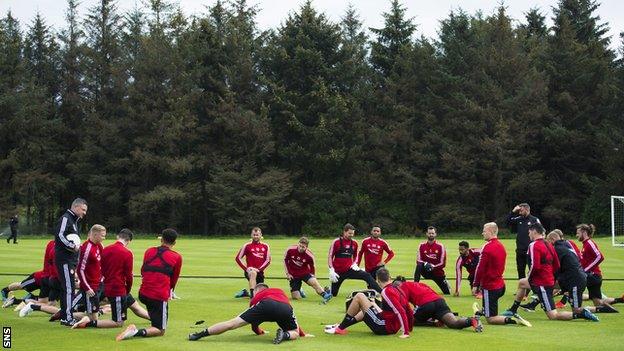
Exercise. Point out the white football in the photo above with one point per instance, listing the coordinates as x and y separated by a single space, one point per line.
74 238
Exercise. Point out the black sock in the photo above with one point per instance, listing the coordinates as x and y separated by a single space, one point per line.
205 332
5 290
251 293
514 307
286 335
564 299
508 320
92 324
618 300
35 307
469 322
347 322
576 315
479 313
17 301
141 332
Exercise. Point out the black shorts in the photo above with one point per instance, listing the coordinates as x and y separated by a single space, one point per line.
373 272
259 277
471 279
375 321
119 307
434 309
29 283
575 291
44 290
490 301
295 283
594 286
55 289
88 304
268 310
157 310
545 295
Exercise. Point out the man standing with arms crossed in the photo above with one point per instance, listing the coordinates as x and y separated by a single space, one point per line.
66 255
372 250
160 273
431 261
519 221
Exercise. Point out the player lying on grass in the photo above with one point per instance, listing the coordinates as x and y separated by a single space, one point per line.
429 306
299 267
257 258
489 278
544 264
394 314
267 305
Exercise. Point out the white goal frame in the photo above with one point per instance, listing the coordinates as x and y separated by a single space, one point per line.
613 229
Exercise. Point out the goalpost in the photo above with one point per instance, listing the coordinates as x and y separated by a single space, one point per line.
617 220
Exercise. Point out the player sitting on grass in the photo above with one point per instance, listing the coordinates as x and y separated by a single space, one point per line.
299 267
395 313
544 264
257 258
267 305
428 305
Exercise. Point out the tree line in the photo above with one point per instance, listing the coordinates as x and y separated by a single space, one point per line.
210 125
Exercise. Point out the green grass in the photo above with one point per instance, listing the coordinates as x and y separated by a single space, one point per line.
211 299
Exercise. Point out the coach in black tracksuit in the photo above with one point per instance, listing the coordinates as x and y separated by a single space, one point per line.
66 255
13 224
519 221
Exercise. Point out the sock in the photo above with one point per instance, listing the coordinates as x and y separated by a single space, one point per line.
286 335
35 307
141 332
479 313
618 300
514 307
251 293
468 322
205 332
564 299
5 290
92 324
347 322
508 320
17 301
576 315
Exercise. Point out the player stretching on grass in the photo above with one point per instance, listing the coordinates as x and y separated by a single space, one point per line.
267 305
489 277
395 313
431 261
299 267
429 306
257 258
544 263
341 261
372 251
468 258
160 272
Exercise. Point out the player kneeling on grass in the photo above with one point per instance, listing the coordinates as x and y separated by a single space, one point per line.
489 278
160 273
544 264
431 306
267 305
257 258
299 267
395 313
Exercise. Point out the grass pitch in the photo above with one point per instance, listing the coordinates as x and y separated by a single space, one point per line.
207 287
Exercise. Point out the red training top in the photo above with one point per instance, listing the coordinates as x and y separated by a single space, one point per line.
591 257
160 272
396 310
372 250
544 263
257 255
489 272
298 264
49 268
576 249
89 266
117 269
419 294
342 254
434 253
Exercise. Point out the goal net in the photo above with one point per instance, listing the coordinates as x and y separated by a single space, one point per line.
617 220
